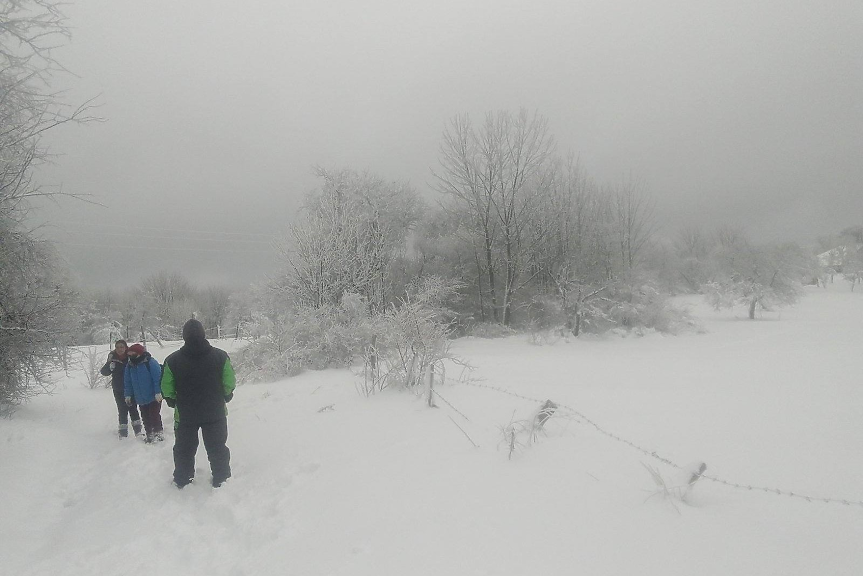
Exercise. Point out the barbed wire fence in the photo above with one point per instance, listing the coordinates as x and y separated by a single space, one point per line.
650 453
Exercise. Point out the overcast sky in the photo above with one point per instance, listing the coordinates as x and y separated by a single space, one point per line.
730 111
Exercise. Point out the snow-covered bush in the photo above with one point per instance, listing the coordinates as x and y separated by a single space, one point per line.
490 330
518 434
755 276
617 305
644 306
90 361
410 338
396 346
545 319
304 338
543 313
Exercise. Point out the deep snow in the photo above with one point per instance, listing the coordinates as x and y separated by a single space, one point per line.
385 485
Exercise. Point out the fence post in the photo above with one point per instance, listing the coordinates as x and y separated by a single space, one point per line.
429 375
373 357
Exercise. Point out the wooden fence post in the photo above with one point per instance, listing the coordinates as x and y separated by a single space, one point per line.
429 376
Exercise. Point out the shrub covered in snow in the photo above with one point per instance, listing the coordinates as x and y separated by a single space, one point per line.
397 344
410 339
303 338
490 330
643 306
90 359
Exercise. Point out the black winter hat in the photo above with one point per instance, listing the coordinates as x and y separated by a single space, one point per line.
193 331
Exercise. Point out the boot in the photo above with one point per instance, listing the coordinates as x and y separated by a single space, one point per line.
123 430
159 436
180 484
149 439
219 480
136 427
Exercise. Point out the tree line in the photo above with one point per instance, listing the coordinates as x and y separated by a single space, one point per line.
154 310
518 236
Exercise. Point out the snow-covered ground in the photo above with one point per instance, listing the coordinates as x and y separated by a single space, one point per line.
385 485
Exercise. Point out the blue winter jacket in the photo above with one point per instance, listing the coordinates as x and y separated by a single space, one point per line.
142 380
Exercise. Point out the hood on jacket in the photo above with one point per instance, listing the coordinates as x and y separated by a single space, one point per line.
193 331
195 338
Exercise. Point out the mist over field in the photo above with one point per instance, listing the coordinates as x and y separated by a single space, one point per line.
730 113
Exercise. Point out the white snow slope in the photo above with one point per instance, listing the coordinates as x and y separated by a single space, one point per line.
386 485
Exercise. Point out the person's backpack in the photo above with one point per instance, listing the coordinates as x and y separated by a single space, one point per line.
161 370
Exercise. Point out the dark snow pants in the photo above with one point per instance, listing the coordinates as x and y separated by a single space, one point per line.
123 411
186 445
152 417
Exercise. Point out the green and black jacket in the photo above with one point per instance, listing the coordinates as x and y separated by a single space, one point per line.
198 380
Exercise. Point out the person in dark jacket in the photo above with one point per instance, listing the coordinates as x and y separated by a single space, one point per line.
141 382
197 382
114 367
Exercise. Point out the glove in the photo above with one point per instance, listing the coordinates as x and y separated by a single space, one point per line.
128 400
170 402
159 397
229 397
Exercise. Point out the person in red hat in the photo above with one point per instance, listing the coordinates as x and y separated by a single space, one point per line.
114 367
142 384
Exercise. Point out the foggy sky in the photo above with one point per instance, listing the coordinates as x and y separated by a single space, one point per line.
731 111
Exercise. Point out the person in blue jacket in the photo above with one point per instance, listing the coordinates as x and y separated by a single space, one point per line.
115 367
142 385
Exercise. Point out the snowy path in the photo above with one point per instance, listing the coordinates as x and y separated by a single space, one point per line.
388 486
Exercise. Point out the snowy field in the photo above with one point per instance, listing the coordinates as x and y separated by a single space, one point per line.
388 486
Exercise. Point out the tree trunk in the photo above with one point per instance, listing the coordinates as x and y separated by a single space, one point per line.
479 286
510 282
752 304
490 263
578 324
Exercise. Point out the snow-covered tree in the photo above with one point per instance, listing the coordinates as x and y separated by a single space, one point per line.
692 248
37 315
35 303
212 304
353 229
755 276
632 223
167 300
852 269
493 176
